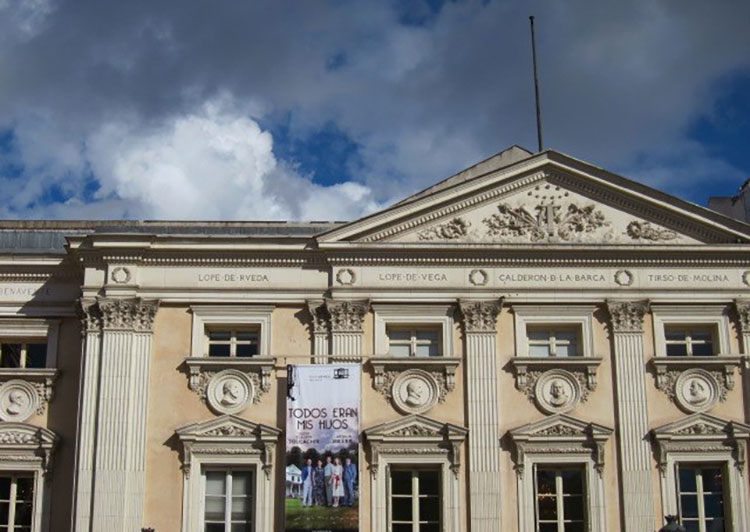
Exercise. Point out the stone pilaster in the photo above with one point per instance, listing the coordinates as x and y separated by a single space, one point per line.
112 423
347 320
480 327
743 311
632 415
321 330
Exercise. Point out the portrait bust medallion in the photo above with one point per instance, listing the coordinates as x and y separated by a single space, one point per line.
18 400
414 391
229 392
557 391
696 390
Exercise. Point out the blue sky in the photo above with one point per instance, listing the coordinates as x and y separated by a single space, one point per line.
331 109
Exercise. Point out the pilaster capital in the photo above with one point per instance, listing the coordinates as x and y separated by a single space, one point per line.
627 316
117 314
347 316
90 316
480 316
742 306
321 319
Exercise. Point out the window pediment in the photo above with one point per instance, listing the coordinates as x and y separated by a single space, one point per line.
21 443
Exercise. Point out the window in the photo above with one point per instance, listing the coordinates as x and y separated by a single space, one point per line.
23 353
229 501
415 500
560 500
701 497
683 341
552 342
232 343
16 502
410 342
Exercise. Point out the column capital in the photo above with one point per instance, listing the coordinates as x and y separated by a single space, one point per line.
627 316
347 316
320 316
122 314
742 306
480 316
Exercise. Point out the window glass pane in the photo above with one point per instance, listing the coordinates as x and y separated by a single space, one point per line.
538 335
430 350
701 336
401 508
712 480
214 527
691 526
247 336
11 356
427 335
429 509
5 488
25 489
572 482
23 514
36 355
566 350
215 482
241 508
429 483
219 336
703 350
400 350
574 527
545 481
4 512
717 525
215 508
399 334
687 480
241 483
401 482
247 350
548 527
547 507
218 350
401 528
566 336
242 527
675 335
689 505
676 350
714 504
539 350
573 507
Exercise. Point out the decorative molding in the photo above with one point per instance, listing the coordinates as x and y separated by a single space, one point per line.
387 369
347 316
321 319
132 314
41 379
551 222
480 316
346 277
120 275
21 442
742 307
450 230
627 316
229 391
720 368
415 391
558 390
256 369
640 230
528 369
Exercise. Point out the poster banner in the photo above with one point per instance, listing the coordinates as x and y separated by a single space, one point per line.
322 444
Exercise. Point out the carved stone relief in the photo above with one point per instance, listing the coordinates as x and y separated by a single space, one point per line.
415 391
639 230
557 391
480 316
346 316
451 230
229 392
119 314
201 378
627 316
18 400
694 390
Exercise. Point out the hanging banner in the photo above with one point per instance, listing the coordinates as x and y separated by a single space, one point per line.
322 448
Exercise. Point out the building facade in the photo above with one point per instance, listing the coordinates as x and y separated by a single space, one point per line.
545 346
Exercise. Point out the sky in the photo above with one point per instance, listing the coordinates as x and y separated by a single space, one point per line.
329 110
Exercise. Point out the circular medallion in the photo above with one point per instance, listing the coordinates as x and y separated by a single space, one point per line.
746 278
18 400
624 277
346 277
696 390
229 391
120 275
414 391
478 277
557 391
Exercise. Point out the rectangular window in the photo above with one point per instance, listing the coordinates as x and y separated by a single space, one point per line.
413 342
229 501
684 341
560 500
30 353
700 491
232 343
16 502
548 342
415 500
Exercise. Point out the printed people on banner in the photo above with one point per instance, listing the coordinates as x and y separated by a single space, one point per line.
307 483
350 478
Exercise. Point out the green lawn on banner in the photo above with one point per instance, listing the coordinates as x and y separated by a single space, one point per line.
319 517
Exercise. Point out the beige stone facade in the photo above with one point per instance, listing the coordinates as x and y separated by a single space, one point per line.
512 264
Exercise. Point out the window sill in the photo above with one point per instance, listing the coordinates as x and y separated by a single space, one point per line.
202 369
669 368
524 367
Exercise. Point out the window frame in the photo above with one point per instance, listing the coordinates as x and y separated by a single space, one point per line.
575 317
713 317
559 494
414 342
439 317
233 342
414 471
700 493
214 317
552 342
25 330
688 342
228 470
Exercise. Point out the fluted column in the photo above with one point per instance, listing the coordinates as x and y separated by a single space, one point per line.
480 327
112 428
347 320
632 415
321 330
743 311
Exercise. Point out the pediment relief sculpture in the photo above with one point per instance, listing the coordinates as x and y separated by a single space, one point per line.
27 444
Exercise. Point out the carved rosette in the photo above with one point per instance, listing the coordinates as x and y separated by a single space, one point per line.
480 316
347 316
627 316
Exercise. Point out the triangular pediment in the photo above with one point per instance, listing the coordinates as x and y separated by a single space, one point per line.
560 426
702 425
227 427
548 198
414 426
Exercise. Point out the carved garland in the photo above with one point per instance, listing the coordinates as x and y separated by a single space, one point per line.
199 380
451 230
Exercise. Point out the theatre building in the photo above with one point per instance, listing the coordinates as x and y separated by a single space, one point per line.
544 346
